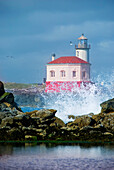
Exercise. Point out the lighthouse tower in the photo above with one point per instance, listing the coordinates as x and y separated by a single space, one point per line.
82 50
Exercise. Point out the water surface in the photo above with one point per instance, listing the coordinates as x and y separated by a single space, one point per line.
54 157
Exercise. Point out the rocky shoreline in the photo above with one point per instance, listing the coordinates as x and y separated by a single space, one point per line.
28 97
44 125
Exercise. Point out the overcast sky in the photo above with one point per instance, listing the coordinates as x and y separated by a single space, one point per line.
31 30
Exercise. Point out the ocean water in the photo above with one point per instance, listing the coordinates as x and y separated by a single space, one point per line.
29 109
56 157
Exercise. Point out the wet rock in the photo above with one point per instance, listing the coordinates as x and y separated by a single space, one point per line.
43 134
104 120
30 138
108 121
86 128
107 106
7 98
47 121
71 117
15 134
108 134
44 125
44 113
29 130
71 127
24 119
94 132
15 124
7 121
5 114
82 121
57 122
90 114
7 107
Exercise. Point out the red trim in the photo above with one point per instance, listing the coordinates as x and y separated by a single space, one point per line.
58 86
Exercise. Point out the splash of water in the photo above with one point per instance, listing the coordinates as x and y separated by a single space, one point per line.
81 101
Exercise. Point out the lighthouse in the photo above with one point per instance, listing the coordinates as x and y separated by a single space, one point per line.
67 72
82 50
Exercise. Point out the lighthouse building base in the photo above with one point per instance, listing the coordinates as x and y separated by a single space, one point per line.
59 86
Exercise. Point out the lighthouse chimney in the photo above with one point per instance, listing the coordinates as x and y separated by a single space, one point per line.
53 57
82 50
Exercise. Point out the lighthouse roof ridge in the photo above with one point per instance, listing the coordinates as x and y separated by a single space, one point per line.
68 60
82 37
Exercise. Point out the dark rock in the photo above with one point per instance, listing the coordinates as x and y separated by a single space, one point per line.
107 106
44 125
94 132
6 114
108 121
44 113
72 128
30 138
7 107
2 91
15 134
86 128
47 121
108 134
7 98
7 121
90 114
24 119
57 122
105 120
4 133
71 117
82 121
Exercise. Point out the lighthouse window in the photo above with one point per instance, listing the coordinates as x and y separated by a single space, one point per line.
83 74
62 73
74 73
52 73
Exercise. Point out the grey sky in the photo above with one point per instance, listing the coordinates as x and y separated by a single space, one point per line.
31 30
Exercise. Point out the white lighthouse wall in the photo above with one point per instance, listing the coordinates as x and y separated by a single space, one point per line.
68 68
86 69
83 54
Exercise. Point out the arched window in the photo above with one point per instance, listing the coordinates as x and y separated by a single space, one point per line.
63 73
52 73
74 74
83 74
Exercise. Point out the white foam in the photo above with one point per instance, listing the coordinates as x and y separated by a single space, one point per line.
81 101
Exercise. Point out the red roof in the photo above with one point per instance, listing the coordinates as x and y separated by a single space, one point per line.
67 60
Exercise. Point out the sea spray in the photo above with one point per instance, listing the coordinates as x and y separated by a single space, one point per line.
82 100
